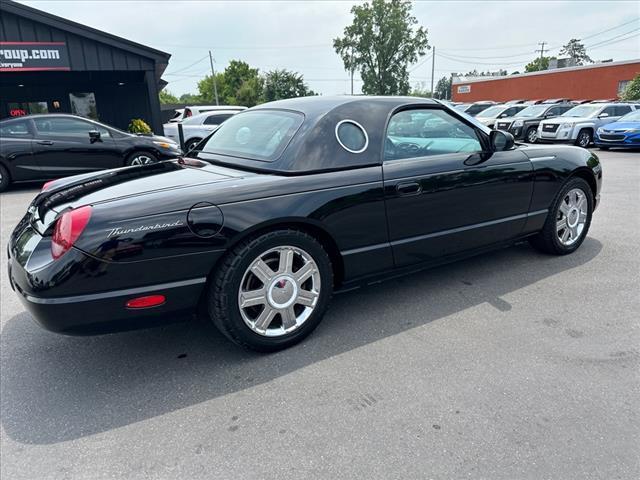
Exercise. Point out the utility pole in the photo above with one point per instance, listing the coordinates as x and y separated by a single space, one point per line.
542 44
351 70
433 69
213 77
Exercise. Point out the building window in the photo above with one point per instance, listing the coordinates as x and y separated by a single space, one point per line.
622 84
84 105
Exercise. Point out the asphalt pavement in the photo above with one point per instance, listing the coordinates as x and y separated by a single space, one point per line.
511 365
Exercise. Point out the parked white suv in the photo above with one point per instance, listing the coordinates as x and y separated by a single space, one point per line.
580 123
197 127
186 112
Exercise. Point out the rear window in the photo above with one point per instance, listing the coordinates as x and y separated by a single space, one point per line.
258 135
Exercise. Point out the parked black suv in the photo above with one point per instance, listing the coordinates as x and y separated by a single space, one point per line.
47 146
524 125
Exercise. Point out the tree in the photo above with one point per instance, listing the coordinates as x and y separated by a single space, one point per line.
235 76
189 99
632 90
443 88
207 92
250 92
279 84
576 51
420 89
167 97
538 64
382 42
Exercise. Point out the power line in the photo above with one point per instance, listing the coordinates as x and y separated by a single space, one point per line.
609 29
612 38
616 41
188 67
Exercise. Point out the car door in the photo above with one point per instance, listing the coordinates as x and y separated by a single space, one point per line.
15 150
445 191
62 146
610 117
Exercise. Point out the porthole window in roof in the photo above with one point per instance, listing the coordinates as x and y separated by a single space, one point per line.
352 136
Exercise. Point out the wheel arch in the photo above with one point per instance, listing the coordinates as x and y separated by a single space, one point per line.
586 174
308 226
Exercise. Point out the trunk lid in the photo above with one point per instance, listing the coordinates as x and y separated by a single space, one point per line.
112 185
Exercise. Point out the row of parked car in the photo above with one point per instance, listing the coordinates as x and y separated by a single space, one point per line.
604 123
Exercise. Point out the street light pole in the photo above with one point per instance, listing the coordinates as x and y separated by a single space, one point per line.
213 77
433 69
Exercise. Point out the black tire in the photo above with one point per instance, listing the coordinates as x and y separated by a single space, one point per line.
224 287
191 143
584 138
5 179
547 240
141 158
532 135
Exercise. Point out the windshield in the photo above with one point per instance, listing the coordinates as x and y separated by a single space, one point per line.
532 111
630 117
582 111
259 135
493 111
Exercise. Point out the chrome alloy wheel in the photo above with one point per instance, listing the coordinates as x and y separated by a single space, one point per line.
279 291
141 159
584 139
572 217
532 135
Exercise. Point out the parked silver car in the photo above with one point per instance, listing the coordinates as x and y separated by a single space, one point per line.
580 123
197 127
489 116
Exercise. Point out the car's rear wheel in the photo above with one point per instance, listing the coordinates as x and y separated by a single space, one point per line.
568 220
192 143
270 292
141 158
5 179
532 135
584 138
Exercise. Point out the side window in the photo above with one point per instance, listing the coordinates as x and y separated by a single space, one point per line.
17 128
554 111
62 127
564 109
426 132
610 110
216 119
622 110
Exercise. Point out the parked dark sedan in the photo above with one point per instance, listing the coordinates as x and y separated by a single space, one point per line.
524 125
284 204
43 147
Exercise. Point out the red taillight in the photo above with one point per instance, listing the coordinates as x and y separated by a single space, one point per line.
146 302
187 112
47 185
67 230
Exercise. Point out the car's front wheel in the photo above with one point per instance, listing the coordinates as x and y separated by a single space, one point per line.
270 292
192 143
584 138
141 158
5 180
568 220
532 135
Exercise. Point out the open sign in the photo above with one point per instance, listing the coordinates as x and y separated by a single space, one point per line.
17 112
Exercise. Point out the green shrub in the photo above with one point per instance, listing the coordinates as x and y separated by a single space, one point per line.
138 125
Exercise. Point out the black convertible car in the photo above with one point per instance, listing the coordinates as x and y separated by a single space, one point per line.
45 146
283 205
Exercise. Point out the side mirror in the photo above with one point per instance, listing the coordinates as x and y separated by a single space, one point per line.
501 140
603 115
94 136
502 115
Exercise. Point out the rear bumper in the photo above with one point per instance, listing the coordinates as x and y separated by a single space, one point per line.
106 312
81 295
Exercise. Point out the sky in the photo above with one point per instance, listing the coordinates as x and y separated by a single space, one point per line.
298 35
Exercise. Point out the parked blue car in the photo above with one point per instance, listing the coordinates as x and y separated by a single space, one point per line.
623 133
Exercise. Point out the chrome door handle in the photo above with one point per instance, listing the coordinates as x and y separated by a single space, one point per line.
409 188
44 142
